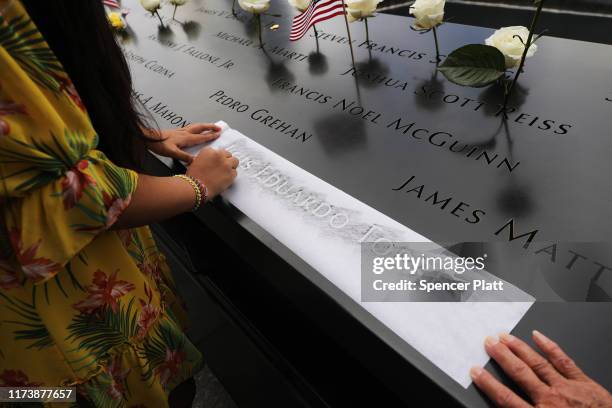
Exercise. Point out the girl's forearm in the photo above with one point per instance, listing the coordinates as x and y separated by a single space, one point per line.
156 199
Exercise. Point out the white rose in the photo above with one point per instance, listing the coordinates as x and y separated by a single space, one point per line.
358 9
254 6
150 5
299 4
505 41
178 2
427 13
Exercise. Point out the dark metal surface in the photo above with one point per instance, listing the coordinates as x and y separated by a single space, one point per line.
549 164
576 20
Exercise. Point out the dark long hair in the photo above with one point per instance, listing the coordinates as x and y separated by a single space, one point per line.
79 34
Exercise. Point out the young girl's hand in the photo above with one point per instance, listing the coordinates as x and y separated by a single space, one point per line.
172 141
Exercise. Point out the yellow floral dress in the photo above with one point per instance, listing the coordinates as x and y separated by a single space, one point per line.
80 304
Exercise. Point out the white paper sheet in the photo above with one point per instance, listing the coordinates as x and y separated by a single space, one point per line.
449 334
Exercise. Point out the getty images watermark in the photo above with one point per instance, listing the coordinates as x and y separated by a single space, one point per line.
429 272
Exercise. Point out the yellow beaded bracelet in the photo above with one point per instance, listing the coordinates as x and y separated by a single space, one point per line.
195 183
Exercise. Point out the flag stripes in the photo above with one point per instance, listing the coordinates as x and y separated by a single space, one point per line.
111 3
316 12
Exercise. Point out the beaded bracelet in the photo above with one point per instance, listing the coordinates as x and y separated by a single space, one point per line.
200 190
203 189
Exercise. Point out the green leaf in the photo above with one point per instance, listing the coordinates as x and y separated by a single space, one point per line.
98 392
29 327
474 65
21 39
100 334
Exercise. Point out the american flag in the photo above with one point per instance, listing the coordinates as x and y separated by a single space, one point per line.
111 3
317 11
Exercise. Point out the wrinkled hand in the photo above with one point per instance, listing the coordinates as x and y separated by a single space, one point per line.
553 381
174 140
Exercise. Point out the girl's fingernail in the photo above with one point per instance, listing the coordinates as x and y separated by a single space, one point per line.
506 337
475 372
540 337
490 341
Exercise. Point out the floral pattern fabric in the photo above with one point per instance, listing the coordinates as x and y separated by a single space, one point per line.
81 304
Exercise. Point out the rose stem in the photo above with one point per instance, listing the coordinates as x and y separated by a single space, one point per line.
174 13
534 22
234 8
160 19
435 33
348 33
259 30
365 20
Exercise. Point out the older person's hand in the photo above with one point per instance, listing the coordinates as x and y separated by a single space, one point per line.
550 381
